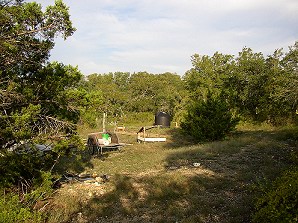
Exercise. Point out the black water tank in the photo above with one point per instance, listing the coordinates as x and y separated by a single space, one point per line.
163 119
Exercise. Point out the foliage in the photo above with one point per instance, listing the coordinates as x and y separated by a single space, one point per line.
16 208
279 199
288 89
40 102
209 120
121 93
42 107
257 88
27 34
17 167
137 119
280 203
12 210
35 94
252 79
208 74
32 91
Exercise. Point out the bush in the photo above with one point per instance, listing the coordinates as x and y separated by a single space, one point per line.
18 166
12 210
24 185
18 207
280 202
209 120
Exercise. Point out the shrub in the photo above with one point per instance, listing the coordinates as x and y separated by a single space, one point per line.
209 120
24 184
16 166
20 205
12 210
280 202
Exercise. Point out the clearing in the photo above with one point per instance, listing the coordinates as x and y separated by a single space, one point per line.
175 181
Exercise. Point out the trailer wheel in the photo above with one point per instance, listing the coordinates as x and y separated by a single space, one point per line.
91 149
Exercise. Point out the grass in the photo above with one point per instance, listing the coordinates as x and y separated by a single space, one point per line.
179 180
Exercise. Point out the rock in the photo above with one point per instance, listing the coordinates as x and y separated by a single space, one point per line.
196 164
98 179
173 168
94 175
84 175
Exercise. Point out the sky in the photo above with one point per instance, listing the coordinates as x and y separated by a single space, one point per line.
160 36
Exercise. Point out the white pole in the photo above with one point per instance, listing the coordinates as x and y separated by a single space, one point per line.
104 122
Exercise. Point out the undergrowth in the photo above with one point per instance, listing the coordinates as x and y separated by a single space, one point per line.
26 202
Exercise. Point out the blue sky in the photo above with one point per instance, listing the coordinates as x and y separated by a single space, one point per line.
160 36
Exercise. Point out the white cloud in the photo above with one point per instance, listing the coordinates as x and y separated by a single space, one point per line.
160 36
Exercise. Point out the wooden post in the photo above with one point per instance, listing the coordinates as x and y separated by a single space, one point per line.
104 122
144 132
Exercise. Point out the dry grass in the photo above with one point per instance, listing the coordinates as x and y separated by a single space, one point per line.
178 181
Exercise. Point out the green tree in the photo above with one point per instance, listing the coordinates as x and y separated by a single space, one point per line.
208 74
39 100
258 88
264 89
279 203
277 111
142 91
209 119
27 35
31 90
252 78
169 91
123 93
286 90
113 90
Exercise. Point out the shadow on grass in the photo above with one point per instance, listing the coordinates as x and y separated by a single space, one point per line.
221 188
164 199
75 162
256 153
80 160
177 139
247 159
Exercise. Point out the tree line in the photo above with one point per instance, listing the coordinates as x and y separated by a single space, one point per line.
120 94
256 88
